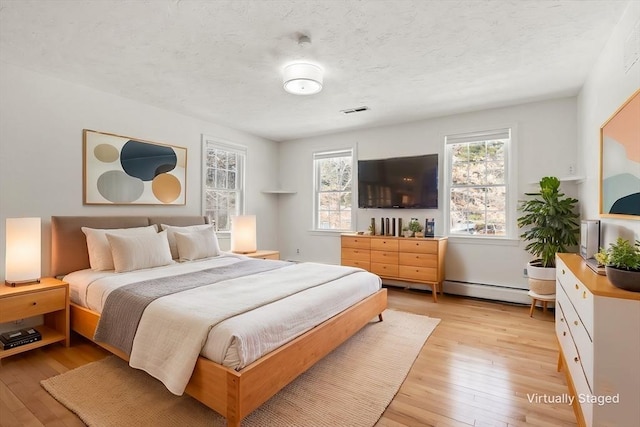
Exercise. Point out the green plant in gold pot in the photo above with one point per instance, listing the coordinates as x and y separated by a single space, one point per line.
621 261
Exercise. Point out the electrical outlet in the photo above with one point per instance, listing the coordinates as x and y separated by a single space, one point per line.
298 251
572 168
524 273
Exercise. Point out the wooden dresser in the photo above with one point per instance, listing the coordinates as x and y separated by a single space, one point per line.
415 260
598 330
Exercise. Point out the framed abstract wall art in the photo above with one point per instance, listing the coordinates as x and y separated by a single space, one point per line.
620 162
119 170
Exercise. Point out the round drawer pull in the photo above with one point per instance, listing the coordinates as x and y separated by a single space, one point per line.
34 303
575 322
577 287
564 334
575 359
584 294
562 319
563 271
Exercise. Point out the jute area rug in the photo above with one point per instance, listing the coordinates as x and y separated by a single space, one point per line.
352 386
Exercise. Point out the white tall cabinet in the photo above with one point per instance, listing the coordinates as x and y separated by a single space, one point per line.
598 330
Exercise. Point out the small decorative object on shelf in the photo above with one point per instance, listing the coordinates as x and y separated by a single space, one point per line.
416 227
430 227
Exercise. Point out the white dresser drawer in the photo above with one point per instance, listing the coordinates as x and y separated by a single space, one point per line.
581 339
580 296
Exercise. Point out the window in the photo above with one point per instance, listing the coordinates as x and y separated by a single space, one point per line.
333 190
478 193
223 174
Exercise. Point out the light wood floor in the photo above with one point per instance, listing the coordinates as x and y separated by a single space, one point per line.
476 369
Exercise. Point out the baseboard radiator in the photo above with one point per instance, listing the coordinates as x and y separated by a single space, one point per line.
474 290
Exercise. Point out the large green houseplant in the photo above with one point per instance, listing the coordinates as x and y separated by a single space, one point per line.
551 225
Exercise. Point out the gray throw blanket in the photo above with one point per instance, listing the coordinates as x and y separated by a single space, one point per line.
124 306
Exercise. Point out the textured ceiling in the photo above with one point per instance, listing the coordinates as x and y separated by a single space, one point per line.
222 61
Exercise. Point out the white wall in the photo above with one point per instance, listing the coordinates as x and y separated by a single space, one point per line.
545 143
607 87
41 122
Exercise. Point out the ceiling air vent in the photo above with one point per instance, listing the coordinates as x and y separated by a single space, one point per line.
354 110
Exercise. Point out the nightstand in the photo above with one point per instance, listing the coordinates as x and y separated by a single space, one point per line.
49 298
265 254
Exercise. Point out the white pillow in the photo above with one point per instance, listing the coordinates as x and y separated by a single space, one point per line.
99 250
139 251
172 229
196 245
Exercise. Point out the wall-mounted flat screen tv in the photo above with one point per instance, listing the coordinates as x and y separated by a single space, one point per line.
399 182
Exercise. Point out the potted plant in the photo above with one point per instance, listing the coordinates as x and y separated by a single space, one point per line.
551 226
622 264
406 232
416 228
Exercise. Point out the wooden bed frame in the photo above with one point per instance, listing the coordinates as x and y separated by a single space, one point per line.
233 394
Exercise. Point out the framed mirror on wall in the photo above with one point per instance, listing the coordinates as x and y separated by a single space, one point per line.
620 162
121 170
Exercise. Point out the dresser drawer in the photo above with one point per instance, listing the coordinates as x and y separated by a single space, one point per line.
423 274
384 257
579 295
389 270
418 246
355 242
573 363
418 259
355 254
384 244
366 265
581 339
32 304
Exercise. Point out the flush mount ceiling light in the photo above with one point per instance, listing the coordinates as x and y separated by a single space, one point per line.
302 78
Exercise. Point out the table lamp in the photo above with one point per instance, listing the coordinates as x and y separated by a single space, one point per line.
23 251
243 234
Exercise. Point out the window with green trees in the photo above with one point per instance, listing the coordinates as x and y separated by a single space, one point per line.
477 181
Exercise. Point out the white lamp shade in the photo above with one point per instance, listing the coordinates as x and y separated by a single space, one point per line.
302 79
23 250
243 234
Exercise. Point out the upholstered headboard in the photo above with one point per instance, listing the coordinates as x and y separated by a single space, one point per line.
69 246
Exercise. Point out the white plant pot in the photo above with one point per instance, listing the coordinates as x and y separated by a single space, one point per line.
542 280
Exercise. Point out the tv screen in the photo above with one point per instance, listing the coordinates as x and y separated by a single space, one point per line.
400 182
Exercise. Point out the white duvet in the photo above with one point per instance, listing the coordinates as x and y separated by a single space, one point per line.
236 341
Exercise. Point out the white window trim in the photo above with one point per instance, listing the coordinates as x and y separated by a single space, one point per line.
229 146
511 175
317 155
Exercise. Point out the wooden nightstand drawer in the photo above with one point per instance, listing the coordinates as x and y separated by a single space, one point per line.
32 304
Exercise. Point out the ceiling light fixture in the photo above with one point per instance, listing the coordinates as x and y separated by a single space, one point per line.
301 78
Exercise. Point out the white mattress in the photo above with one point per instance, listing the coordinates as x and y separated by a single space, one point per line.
242 339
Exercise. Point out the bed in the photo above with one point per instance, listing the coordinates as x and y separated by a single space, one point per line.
232 391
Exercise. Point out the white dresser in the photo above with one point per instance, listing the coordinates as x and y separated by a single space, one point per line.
598 330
